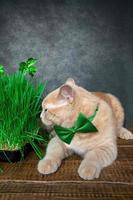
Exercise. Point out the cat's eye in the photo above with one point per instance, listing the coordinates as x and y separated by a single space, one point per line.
45 110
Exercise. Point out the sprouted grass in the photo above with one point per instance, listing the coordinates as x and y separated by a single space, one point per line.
20 102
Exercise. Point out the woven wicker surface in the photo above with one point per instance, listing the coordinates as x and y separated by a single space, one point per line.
22 181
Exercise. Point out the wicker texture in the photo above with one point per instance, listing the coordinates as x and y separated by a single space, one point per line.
22 181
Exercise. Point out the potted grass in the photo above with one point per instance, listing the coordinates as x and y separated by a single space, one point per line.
20 102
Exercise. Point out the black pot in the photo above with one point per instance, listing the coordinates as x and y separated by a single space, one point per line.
16 155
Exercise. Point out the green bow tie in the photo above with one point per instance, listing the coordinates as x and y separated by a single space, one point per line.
82 125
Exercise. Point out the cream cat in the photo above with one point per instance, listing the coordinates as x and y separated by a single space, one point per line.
98 150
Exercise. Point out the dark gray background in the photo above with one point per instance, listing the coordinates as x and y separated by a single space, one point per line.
90 41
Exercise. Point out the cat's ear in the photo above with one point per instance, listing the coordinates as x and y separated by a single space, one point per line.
70 81
67 92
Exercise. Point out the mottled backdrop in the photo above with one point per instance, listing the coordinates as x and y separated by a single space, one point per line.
89 40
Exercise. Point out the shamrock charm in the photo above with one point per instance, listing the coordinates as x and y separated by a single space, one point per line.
82 125
1 69
28 66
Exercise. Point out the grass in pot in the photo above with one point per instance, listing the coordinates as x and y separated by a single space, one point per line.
20 102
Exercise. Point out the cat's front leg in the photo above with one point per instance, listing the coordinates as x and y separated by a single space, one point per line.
56 151
95 160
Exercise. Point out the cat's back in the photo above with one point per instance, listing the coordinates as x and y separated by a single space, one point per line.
104 96
110 99
114 103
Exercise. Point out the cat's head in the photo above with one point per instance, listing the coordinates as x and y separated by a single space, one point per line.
59 107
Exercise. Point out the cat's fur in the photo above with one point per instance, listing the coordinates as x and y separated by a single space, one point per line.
98 150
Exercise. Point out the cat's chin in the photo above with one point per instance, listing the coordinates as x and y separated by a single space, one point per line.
47 123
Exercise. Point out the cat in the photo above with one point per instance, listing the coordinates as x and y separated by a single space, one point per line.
99 150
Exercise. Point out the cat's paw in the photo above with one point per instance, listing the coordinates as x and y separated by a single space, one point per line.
125 134
48 166
88 172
